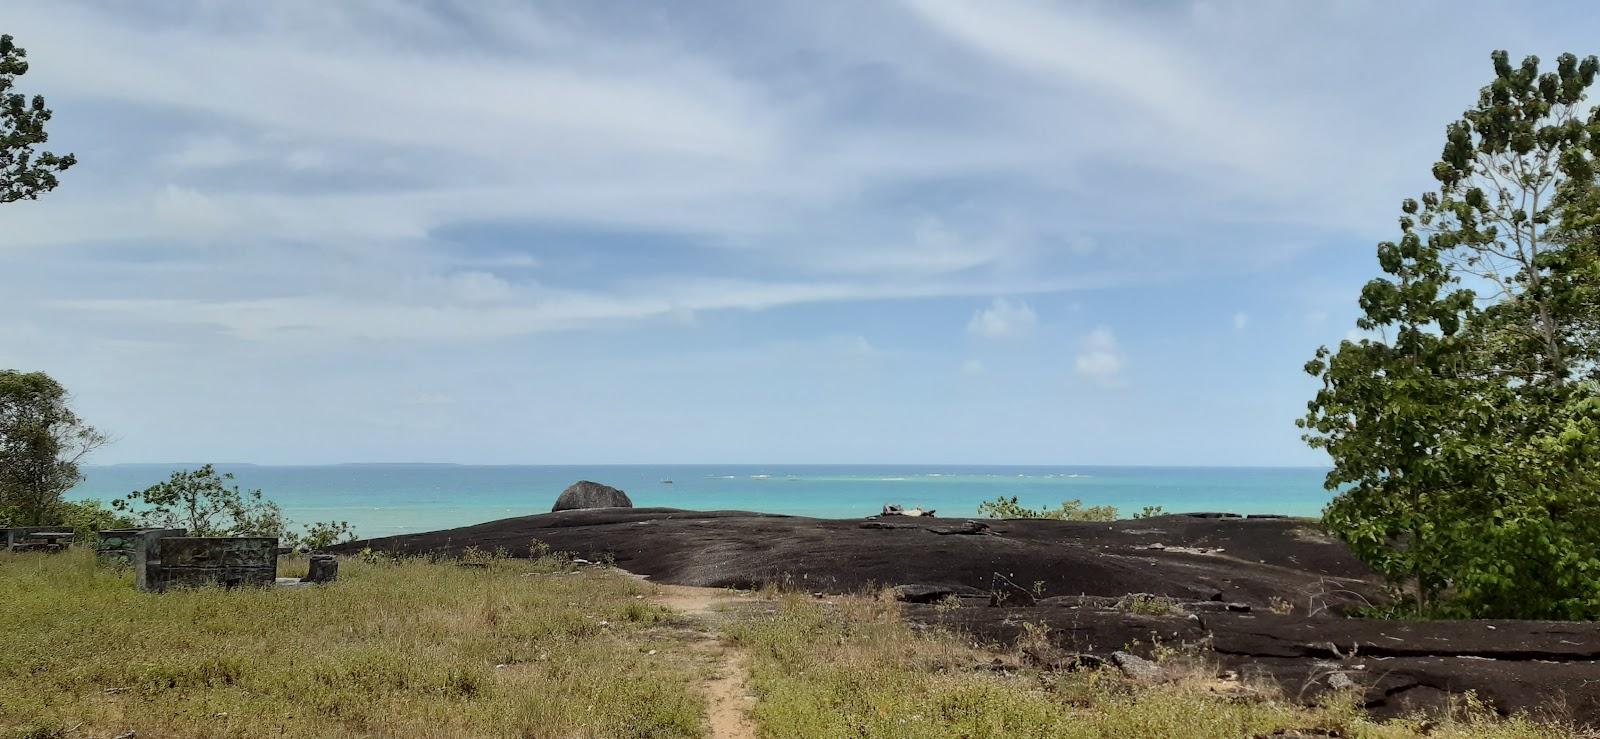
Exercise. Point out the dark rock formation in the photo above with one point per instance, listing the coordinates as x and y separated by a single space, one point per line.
1534 666
1249 561
584 494
1221 574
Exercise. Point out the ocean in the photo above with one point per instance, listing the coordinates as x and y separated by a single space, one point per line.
384 499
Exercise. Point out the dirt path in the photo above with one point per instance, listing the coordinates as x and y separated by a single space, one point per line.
728 698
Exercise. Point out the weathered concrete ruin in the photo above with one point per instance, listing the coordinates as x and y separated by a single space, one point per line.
36 538
117 546
194 561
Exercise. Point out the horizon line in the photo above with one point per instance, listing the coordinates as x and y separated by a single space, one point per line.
698 464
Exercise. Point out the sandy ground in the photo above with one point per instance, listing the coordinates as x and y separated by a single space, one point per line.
727 691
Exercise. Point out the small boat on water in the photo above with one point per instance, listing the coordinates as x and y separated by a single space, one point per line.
666 482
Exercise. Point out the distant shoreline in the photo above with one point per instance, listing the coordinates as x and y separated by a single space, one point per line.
390 499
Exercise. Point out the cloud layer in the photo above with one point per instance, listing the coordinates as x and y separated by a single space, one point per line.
366 201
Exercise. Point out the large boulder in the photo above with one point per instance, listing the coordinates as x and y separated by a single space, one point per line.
585 494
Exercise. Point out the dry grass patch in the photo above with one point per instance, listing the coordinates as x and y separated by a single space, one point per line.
402 648
857 669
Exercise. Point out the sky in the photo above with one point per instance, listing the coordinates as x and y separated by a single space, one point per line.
910 231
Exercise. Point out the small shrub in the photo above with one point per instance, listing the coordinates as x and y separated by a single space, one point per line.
1146 604
1150 511
1070 510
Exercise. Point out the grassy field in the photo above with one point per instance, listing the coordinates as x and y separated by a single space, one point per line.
854 668
411 648
519 648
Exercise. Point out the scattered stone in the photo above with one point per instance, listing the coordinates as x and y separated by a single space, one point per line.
1341 681
882 525
1136 667
323 568
584 494
966 528
1159 547
1097 602
1214 606
894 510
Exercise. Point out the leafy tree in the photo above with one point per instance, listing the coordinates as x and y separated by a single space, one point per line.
1510 170
87 518
324 534
1070 510
1458 430
41 443
203 501
24 174
1389 415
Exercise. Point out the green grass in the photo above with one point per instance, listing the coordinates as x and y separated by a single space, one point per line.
514 648
407 648
855 669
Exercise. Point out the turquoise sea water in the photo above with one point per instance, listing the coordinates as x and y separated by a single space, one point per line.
383 499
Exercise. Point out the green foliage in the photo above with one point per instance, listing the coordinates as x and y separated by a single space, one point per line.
41 443
1146 604
1071 510
88 518
324 534
1150 511
1463 430
24 174
203 501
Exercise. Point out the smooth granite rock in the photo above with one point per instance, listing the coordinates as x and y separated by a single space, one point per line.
583 495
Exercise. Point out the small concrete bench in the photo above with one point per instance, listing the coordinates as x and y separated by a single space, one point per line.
37 538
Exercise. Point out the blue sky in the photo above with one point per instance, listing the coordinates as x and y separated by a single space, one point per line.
809 232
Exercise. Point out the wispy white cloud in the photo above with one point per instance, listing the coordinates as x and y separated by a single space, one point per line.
280 186
1241 321
478 305
1100 359
1003 319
